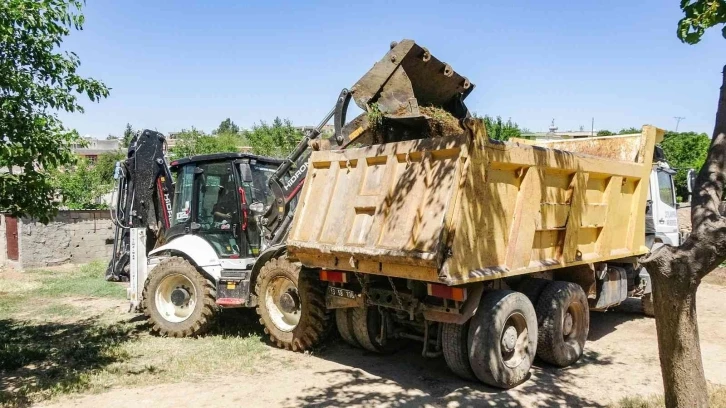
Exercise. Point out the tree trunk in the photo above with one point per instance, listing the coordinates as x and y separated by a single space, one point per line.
678 343
676 273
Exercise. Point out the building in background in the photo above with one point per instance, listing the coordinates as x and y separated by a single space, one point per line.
96 147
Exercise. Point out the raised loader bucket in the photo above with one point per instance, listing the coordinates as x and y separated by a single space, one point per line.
407 77
407 94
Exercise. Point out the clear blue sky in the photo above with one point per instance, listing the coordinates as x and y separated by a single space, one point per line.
177 64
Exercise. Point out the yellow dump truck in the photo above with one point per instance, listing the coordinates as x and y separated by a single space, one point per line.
488 252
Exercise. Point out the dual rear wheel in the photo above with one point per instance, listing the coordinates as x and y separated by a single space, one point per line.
498 344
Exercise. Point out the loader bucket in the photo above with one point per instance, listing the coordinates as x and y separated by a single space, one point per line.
407 77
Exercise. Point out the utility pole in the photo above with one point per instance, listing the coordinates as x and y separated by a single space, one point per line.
678 121
592 127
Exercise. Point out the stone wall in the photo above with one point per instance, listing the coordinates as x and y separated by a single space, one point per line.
72 237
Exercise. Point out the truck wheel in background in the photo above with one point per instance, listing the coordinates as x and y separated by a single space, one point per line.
178 300
532 288
344 321
367 330
291 305
503 338
564 321
455 343
647 302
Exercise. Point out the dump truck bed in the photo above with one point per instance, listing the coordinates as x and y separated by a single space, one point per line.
464 208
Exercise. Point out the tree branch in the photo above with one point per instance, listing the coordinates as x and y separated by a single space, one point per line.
711 178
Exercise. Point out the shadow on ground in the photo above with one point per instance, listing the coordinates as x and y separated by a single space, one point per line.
45 358
407 379
604 323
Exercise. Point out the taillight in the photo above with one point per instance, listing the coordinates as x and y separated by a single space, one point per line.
333 276
447 292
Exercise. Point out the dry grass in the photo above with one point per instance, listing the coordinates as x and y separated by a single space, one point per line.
66 331
717 399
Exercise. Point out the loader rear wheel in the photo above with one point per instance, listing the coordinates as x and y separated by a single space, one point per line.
291 305
503 338
179 300
564 321
344 321
456 349
367 323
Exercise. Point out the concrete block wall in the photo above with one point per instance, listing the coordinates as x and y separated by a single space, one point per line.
72 237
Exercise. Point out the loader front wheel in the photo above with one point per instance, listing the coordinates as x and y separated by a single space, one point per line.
291 305
178 300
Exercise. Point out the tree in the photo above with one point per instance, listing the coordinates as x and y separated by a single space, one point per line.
700 15
80 186
36 81
194 142
629 131
276 140
498 130
605 133
226 127
685 150
128 135
676 272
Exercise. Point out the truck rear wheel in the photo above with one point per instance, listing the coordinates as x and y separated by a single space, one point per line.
178 300
503 338
367 329
564 321
291 305
344 321
456 349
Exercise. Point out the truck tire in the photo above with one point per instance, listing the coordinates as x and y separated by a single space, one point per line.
291 305
503 339
564 321
344 321
455 344
647 302
532 288
179 300
367 329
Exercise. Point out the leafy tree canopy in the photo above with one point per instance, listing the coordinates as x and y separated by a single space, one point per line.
629 131
194 142
128 135
36 81
685 150
698 16
83 184
276 139
227 126
499 130
605 132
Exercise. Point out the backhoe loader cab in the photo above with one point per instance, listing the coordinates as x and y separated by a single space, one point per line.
219 198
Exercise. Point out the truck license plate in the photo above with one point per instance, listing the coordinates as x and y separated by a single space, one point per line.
340 292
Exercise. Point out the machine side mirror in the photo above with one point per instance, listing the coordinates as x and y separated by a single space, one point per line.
246 172
257 207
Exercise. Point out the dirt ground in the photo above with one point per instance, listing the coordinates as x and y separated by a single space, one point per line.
621 360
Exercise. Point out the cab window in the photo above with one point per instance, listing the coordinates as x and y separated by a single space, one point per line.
665 187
